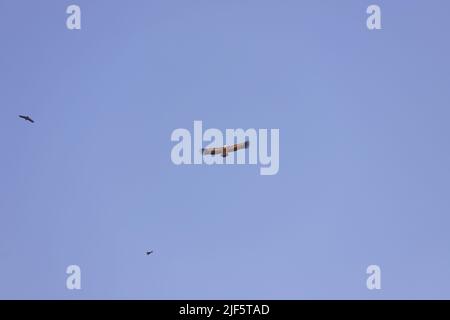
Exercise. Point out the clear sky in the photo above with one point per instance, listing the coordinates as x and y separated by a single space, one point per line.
364 149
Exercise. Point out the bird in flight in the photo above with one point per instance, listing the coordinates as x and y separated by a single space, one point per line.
27 118
225 150
149 252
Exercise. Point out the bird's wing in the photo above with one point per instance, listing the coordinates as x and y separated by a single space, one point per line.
31 120
23 117
238 146
212 151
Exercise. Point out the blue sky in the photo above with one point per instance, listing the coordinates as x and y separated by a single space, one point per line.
364 160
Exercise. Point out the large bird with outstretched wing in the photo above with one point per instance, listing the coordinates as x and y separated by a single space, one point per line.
26 118
225 150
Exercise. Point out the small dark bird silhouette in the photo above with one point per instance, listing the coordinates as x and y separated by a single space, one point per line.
149 252
27 118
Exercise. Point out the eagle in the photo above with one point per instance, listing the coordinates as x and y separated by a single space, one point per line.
225 150
27 118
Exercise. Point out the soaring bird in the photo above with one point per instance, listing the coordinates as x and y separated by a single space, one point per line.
225 150
149 252
27 118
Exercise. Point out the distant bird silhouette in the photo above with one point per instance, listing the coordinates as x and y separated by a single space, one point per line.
27 118
149 252
225 150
